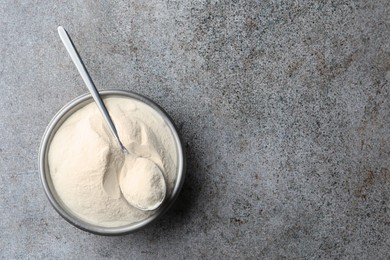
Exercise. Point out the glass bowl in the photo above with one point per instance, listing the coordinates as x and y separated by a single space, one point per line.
48 186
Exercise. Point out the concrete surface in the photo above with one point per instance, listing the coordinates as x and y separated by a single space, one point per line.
283 106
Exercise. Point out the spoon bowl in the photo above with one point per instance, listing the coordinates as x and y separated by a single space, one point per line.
134 185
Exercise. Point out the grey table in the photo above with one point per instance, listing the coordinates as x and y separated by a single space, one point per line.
283 107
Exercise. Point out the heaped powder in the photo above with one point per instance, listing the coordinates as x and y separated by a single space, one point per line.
141 184
88 168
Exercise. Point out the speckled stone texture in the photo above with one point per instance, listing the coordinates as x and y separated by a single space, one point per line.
283 107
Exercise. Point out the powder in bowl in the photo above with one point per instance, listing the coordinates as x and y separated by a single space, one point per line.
87 166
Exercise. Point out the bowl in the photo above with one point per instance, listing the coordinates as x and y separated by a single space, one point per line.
48 186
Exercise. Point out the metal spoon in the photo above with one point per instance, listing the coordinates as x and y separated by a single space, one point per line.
126 192
88 81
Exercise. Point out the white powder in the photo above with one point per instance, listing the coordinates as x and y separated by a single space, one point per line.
92 176
141 183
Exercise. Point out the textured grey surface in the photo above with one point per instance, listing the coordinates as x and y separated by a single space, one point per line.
283 106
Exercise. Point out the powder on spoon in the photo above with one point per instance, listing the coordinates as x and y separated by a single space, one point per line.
142 186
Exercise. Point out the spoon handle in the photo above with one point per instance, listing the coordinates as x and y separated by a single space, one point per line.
88 81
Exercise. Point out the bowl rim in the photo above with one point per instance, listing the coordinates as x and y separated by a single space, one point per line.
57 121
